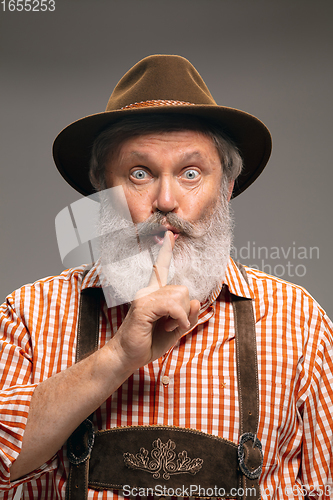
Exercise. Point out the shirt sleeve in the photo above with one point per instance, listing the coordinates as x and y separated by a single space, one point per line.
16 391
317 409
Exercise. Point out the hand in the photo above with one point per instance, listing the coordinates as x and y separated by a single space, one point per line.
158 317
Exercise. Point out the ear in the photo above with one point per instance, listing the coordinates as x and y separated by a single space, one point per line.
231 187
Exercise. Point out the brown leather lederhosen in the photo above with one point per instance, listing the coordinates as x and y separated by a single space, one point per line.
168 457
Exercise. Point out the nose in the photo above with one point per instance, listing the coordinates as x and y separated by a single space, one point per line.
166 195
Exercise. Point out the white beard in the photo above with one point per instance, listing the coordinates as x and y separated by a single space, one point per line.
199 258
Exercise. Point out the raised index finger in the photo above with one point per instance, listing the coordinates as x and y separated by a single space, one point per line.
159 276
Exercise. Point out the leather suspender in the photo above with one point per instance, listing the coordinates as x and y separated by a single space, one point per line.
246 458
81 441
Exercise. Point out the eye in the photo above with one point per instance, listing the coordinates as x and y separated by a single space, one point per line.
139 174
191 174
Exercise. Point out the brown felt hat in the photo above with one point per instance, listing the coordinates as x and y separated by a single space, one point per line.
161 84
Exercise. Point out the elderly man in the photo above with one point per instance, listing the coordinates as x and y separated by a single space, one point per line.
203 379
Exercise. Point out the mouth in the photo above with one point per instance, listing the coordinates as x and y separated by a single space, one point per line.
159 236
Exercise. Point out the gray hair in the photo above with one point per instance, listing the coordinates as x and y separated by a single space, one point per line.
108 142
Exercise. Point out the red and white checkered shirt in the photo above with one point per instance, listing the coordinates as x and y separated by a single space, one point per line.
193 385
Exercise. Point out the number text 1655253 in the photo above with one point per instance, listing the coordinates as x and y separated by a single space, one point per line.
28 5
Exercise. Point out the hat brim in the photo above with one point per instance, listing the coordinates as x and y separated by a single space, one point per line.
72 147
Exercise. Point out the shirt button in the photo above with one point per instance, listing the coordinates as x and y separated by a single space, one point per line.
165 380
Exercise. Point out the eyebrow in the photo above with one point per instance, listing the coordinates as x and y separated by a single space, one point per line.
185 157
193 155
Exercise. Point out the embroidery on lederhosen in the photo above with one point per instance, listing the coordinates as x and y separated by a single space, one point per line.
163 457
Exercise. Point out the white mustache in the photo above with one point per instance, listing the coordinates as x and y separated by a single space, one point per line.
159 220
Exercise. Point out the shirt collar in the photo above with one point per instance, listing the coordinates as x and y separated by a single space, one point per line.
91 278
236 282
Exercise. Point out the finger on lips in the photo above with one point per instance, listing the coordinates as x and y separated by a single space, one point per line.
159 279
159 276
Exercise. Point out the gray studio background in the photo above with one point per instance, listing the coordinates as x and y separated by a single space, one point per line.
270 58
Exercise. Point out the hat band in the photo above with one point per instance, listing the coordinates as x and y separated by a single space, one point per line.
157 102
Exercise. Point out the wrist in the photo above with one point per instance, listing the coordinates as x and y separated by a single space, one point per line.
117 366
